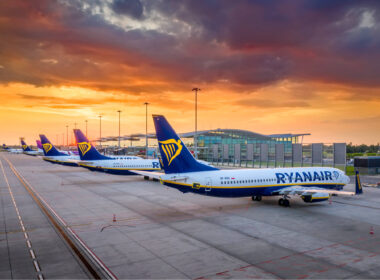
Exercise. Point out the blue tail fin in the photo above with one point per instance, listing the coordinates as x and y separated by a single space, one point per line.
85 149
176 157
25 147
48 147
358 184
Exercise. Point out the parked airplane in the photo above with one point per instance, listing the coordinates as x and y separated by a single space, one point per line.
12 150
122 165
55 156
185 173
27 150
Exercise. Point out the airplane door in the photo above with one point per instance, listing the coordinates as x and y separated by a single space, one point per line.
208 184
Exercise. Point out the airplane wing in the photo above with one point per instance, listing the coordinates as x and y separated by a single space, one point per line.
299 190
160 176
153 175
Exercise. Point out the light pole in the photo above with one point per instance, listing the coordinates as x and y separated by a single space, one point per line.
63 139
100 130
196 120
146 129
67 135
119 127
86 126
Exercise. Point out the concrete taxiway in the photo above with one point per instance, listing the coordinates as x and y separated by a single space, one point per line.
162 233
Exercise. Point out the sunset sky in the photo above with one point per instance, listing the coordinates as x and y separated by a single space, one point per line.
266 66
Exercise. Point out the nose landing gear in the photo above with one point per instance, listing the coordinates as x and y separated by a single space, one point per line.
256 198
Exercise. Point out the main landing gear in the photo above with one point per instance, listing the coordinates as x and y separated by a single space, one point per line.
256 198
284 201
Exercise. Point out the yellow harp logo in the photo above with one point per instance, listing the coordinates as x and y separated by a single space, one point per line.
171 149
47 147
84 147
24 147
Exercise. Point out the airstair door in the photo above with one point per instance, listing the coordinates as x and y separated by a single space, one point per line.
208 184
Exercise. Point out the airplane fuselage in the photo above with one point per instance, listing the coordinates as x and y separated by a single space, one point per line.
254 182
64 160
121 166
32 153
15 151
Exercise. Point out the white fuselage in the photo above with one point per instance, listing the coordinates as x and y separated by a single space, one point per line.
15 151
122 165
68 160
32 153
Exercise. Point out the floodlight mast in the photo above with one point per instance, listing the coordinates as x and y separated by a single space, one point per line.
196 121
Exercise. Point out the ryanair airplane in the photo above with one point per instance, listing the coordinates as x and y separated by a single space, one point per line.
185 173
12 150
27 150
54 156
121 165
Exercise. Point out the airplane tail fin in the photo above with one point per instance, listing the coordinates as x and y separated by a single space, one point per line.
48 147
176 158
24 146
85 149
358 184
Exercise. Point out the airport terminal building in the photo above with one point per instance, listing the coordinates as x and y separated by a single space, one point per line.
227 143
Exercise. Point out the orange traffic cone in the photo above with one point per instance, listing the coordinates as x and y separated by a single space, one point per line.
114 218
371 231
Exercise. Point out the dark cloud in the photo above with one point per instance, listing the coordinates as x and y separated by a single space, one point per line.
55 102
132 8
244 42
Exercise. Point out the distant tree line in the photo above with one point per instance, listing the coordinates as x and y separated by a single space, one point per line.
362 148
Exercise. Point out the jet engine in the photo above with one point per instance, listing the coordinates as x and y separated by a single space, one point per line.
315 197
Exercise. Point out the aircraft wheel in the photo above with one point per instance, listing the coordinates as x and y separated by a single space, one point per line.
258 198
281 202
286 203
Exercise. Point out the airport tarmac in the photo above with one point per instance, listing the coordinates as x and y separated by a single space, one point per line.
161 233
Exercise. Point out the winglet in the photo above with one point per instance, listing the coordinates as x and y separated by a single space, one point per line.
358 184
86 150
39 145
175 156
